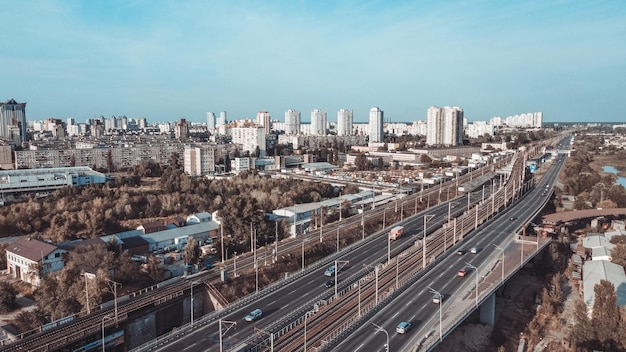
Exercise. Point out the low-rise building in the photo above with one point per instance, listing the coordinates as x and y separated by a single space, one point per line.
28 259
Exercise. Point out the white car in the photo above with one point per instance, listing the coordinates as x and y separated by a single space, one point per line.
330 271
473 250
437 298
254 315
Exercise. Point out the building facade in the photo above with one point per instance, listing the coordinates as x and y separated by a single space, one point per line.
199 160
26 256
210 121
13 121
318 122
292 122
250 138
445 126
263 119
344 122
376 125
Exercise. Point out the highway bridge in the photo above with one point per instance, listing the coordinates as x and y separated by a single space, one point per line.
292 305
497 241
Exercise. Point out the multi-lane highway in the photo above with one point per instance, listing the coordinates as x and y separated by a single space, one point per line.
287 301
415 304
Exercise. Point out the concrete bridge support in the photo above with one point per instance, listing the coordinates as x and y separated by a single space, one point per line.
488 310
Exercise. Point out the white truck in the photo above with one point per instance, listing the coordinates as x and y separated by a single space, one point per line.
396 233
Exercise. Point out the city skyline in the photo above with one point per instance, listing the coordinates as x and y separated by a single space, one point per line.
179 60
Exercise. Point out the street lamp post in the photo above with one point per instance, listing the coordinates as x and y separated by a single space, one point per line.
191 305
476 279
440 301
104 317
380 329
306 315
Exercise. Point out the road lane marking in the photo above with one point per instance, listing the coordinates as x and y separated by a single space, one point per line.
361 345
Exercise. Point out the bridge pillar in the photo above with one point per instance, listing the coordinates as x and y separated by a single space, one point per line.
488 310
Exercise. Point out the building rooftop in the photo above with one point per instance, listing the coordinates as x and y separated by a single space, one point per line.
30 248
596 270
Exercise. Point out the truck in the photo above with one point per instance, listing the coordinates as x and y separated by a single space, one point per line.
396 233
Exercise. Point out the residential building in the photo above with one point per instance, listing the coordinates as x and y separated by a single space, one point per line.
445 126
250 138
528 120
13 121
210 124
181 130
26 256
292 122
344 122
263 119
241 164
479 128
418 128
318 122
222 119
199 160
375 130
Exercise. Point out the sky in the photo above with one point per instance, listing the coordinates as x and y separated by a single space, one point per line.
167 60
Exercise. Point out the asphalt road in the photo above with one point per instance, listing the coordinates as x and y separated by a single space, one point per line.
415 305
310 289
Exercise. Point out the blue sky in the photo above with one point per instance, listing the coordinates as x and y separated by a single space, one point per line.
166 60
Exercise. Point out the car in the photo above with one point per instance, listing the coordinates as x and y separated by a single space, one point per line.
512 218
254 315
437 298
330 283
330 271
461 252
473 250
403 327
461 272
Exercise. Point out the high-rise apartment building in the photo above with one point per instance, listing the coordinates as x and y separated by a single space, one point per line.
292 122
250 138
263 119
445 126
318 122
181 130
344 122
375 127
222 119
13 121
210 121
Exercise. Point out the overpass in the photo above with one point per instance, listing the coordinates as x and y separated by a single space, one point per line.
502 251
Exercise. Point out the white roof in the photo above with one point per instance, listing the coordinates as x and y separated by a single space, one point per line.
184 231
596 270
597 241
599 252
